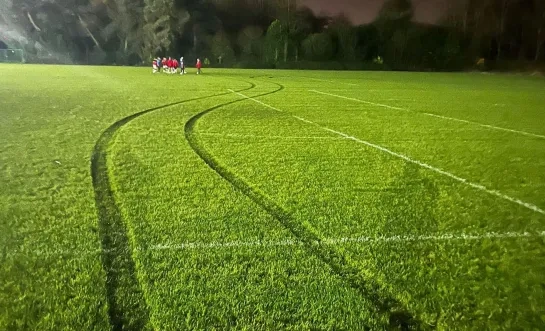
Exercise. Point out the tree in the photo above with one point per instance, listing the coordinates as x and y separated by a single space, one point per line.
221 48
162 22
58 27
249 40
345 37
288 8
394 15
301 27
127 18
318 47
393 22
396 10
275 39
499 10
368 42
539 26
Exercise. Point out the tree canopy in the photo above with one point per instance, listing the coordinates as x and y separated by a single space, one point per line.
269 32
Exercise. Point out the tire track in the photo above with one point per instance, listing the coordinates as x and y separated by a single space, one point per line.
127 308
398 317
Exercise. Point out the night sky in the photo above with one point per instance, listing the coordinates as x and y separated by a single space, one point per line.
364 11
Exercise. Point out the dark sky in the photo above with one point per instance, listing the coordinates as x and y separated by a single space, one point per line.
364 11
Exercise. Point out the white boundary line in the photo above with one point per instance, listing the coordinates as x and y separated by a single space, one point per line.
255 100
222 245
358 100
348 240
408 159
488 126
249 136
302 119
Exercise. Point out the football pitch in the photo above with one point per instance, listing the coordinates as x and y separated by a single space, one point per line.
266 200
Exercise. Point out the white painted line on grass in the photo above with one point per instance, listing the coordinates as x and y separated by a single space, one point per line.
442 172
488 126
261 103
345 241
358 100
422 164
302 119
222 245
250 136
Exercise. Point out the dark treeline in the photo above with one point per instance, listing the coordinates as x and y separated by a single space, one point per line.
267 33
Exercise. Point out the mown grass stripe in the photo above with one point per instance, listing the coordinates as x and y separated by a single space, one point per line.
445 237
442 172
411 160
488 126
384 305
127 308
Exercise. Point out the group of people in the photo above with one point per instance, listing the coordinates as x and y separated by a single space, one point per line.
170 65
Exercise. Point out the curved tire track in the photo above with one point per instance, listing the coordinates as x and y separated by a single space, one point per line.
127 307
398 316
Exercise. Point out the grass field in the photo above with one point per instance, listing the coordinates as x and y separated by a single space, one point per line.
270 200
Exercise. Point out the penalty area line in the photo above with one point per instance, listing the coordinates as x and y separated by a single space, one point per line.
410 160
488 126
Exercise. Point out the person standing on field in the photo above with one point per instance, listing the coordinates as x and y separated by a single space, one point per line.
174 66
198 66
182 66
169 65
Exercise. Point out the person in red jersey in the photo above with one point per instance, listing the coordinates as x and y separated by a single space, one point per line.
199 65
174 66
170 65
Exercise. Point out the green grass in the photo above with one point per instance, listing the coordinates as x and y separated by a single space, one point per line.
140 201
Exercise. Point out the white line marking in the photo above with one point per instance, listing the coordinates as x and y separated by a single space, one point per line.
302 119
358 100
228 135
442 172
348 240
488 126
422 164
261 103
330 81
447 237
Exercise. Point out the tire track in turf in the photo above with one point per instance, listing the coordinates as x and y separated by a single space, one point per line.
398 316
127 308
